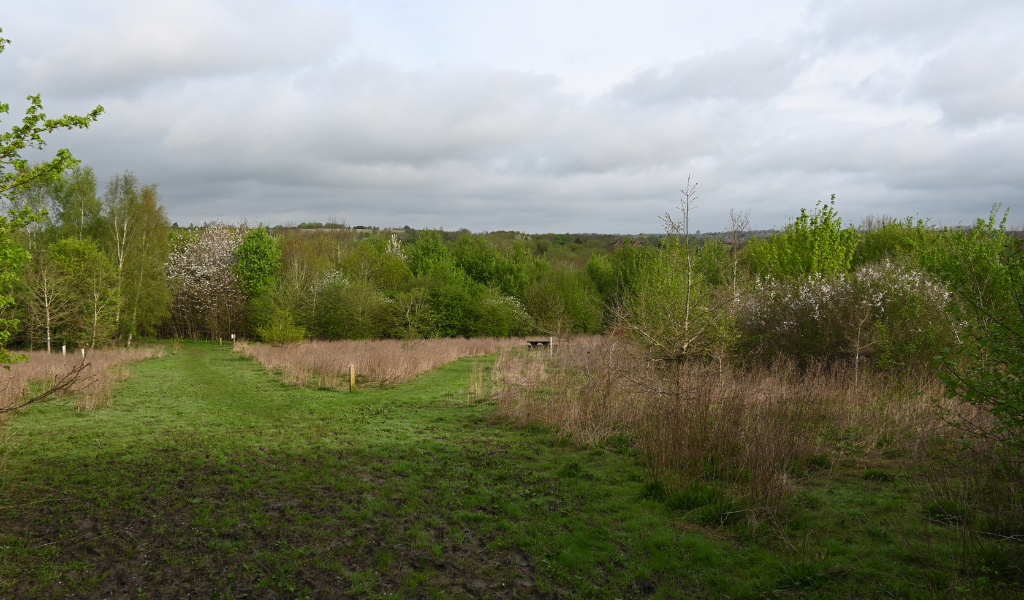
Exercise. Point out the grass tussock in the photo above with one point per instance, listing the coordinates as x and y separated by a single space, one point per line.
326 364
754 429
104 368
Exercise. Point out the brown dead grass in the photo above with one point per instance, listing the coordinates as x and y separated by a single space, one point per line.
326 364
755 427
105 367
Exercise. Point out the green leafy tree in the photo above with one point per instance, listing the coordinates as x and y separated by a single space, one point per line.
92 276
258 259
48 298
814 244
564 301
902 241
989 373
355 311
144 292
281 329
972 261
77 205
379 263
515 269
426 251
672 306
15 174
453 298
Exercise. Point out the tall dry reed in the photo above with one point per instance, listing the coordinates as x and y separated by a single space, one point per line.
754 427
103 369
326 364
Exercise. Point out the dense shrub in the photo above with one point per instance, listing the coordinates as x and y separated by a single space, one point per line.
354 311
674 308
886 313
813 244
281 329
501 316
564 301
257 260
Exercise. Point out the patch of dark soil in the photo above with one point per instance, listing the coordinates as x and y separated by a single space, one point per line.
246 530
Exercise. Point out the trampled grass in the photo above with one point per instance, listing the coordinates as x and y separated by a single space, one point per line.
207 477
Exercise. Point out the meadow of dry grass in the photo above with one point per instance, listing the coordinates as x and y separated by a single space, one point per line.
103 368
326 364
754 426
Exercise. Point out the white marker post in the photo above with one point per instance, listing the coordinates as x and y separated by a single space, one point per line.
551 346
232 342
63 350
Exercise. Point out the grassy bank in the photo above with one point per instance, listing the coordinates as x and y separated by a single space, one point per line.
206 477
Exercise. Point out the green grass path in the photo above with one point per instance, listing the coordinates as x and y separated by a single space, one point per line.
208 478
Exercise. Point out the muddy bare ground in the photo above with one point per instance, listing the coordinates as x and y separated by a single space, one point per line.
191 535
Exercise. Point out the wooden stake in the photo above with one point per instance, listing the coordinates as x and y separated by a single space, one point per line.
352 378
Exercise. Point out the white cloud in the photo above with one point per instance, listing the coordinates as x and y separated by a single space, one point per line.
755 70
454 116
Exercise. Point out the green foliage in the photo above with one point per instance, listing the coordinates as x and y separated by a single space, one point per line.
145 296
501 316
602 273
92 276
12 257
885 313
15 174
372 262
258 259
972 261
281 329
813 244
693 497
355 311
453 298
671 307
29 136
426 251
564 301
878 475
990 372
515 269
895 240
802 575
946 511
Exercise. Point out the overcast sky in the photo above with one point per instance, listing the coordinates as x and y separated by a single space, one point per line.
555 115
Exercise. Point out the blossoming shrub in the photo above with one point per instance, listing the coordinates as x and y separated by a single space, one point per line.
206 291
886 313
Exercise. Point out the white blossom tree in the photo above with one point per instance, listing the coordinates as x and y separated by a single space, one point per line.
207 295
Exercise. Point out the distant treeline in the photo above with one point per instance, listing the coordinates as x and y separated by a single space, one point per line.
109 267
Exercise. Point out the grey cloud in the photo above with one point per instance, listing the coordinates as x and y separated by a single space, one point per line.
145 43
754 70
291 131
976 82
918 24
